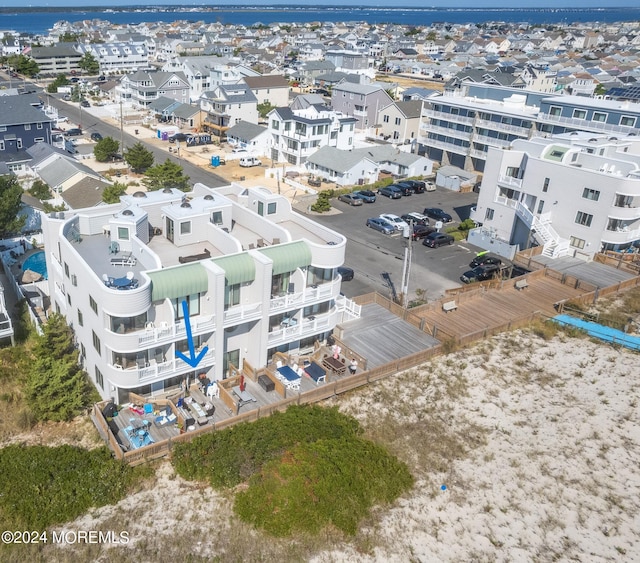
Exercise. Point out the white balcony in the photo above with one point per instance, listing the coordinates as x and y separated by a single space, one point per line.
491 141
458 149
584 125
503 127
242 314
626 213
510 181
154 371
163 333
447 131
306 327
621 236
309 296
448 117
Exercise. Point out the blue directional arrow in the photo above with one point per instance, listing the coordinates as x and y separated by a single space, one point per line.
191 359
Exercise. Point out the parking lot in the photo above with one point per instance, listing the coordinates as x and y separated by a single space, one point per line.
377 259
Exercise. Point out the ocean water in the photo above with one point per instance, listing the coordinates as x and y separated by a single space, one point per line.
39 21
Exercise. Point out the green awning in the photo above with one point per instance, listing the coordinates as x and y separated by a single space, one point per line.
288 257
238 268
178 282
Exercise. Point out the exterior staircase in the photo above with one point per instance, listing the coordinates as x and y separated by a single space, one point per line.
553 245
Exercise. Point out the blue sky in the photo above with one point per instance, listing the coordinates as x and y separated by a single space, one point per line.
418 3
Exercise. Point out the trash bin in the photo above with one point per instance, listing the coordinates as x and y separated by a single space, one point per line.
215 161
136 131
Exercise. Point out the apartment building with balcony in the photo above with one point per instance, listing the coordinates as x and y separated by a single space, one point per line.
295 134
255 278
118 56
459 129
573 194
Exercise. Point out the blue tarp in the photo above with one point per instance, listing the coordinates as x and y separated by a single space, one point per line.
602 332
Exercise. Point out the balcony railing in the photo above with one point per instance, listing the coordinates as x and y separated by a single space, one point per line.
166 332
621 236
585 125
491 141
503 127
448 116
626 213
306 327
242 313
458 149
510 181
448 131
310 295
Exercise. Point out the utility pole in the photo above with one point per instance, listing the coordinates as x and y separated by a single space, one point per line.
406 268
121 131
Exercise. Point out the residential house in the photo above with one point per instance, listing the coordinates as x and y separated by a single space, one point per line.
254 276
362 101
399 122
255 138
23 123
297 134
144 87
271 88
226 105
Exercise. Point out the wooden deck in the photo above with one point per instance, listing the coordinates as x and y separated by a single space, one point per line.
487 309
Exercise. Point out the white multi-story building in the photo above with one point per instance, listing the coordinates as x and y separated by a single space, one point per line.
255 277
296 134
575 193
118 57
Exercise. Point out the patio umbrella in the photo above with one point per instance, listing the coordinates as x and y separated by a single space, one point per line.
30 276
242 384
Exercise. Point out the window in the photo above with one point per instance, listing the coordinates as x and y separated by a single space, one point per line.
628 121
99 378
231 295
27 127
599 117
555 111
19 143
80 318
579 114
123 233
584 219
93 304
271 208
69 299
276 125
1 145
66 269
385 119
540 206
397 121
576 242
38 125
193 305
590 193
260 208
545 186
96 342
185 228
488 216
216 217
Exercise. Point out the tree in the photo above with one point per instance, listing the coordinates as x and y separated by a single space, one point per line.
138 157
23 65
68 37
56 386
105 149
40 190
167 175
600 90
112 193
89 64
264 108
60 80
10 204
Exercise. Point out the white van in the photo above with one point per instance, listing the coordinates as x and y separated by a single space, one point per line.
248 161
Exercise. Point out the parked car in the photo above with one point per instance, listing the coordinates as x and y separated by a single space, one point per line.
346 273
351 199
421 231
438 214
248 161
416 186
239 150
485 258
481 273
365 195
85 103
74 132
391 191
415 218
429 186
397 222
181 137
67 97
321 91
404 189
95 136
379 224
434 240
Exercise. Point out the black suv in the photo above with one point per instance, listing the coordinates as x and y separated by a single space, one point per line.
415 186
404 189
481 273
438 214
485 258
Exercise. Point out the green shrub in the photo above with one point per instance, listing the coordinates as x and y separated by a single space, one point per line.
323 204
325 482
43 486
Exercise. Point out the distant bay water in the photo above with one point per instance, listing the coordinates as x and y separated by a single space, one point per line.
40 20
